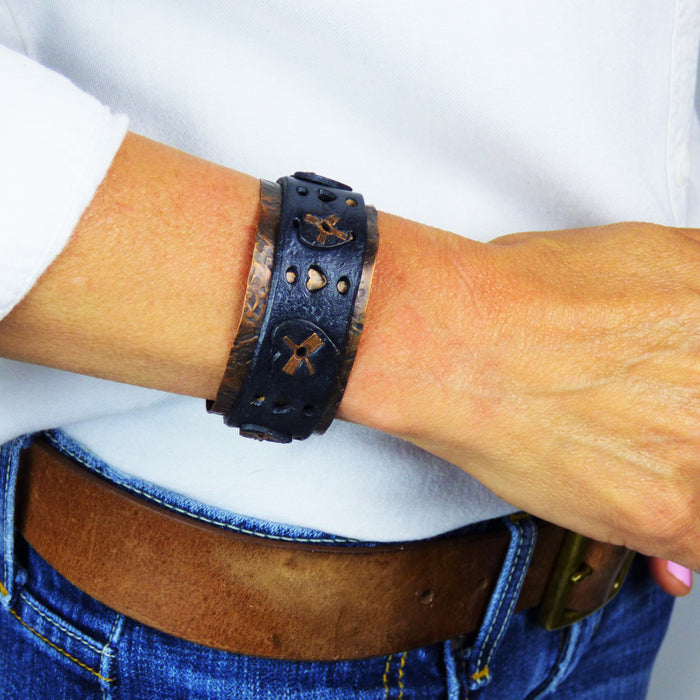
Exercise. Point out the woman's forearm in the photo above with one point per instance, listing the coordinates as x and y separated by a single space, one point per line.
144 291
149 289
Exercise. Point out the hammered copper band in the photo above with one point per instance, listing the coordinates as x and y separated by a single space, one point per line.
264 596
254 302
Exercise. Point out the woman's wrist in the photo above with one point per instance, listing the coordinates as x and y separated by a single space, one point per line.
420 323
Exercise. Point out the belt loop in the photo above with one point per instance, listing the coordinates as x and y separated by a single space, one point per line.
451 671
9 466
523 534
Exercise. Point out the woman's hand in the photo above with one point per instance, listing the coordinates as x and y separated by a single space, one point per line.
561 369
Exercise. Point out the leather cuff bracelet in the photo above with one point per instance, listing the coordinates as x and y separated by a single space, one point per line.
303 311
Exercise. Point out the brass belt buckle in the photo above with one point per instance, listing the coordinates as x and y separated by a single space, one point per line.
571 569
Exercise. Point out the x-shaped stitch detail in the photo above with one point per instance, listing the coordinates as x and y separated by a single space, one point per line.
301 352
327 227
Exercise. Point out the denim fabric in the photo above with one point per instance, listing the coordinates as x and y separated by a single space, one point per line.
523 535
9 464
58 643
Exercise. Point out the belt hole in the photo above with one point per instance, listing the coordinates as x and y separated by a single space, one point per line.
427 597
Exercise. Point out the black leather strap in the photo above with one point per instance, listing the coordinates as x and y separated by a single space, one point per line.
298 371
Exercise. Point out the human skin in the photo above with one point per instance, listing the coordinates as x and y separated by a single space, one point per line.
560 368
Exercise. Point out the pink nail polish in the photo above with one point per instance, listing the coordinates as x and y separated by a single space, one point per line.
685 576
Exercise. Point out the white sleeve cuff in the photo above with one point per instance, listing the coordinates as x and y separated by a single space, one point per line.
56 145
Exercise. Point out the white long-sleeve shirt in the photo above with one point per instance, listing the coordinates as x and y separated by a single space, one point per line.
483 119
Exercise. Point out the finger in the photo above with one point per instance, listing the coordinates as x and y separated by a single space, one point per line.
671 577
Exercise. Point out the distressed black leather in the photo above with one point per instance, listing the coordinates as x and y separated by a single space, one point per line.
319 259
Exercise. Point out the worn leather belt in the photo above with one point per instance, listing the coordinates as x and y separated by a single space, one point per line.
285 600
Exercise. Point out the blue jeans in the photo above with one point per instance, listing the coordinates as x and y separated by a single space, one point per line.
56 642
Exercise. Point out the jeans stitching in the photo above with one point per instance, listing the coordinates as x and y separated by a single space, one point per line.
497 612
59 649
107 654
401 674
513 601
9 455
210 521
385 676
6 474
60 626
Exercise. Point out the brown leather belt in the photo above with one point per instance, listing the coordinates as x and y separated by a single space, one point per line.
286 600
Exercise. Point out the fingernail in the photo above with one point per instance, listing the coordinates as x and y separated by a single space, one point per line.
685 576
